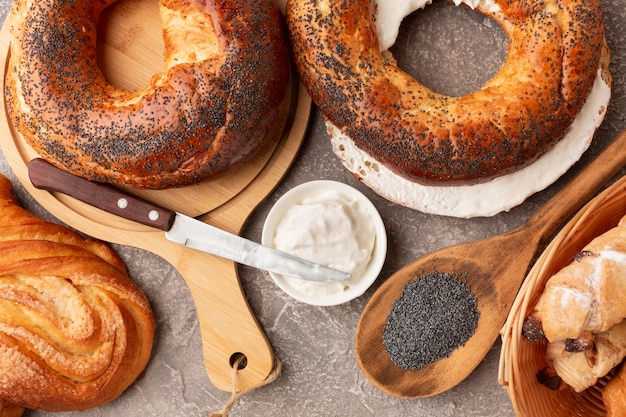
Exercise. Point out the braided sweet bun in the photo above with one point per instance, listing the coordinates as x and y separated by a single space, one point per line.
75 331
212 108
380 119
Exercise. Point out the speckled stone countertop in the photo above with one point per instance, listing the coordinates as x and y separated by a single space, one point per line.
456 50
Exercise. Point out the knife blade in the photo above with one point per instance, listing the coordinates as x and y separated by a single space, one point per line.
178 227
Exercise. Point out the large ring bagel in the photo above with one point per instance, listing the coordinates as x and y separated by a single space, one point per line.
225 80
430 138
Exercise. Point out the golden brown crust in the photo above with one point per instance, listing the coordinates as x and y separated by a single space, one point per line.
75 331
213 108
10 410
517 116
614 395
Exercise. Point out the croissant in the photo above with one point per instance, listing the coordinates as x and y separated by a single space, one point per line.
582 369
589 293
581 312
75 330
614 395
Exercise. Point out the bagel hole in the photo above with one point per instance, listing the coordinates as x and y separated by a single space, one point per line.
452 50
130 43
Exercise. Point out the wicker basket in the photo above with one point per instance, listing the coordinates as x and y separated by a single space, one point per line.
520 359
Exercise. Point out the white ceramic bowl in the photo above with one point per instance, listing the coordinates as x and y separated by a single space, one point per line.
323 294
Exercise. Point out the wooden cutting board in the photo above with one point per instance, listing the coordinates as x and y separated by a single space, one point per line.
130 49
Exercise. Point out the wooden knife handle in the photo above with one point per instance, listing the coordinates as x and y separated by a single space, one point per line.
45 176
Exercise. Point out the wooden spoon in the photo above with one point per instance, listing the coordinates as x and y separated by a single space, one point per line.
493 268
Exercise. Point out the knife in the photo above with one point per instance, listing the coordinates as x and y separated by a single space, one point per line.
178 227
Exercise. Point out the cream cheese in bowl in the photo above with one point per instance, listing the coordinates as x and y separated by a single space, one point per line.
332 224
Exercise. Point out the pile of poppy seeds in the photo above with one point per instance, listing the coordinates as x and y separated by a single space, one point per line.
434 315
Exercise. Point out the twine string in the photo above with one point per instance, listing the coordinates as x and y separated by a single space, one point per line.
235 395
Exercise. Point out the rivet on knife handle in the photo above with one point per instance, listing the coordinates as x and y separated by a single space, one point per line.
44 175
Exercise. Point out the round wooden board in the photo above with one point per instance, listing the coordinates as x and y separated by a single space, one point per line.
131 29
